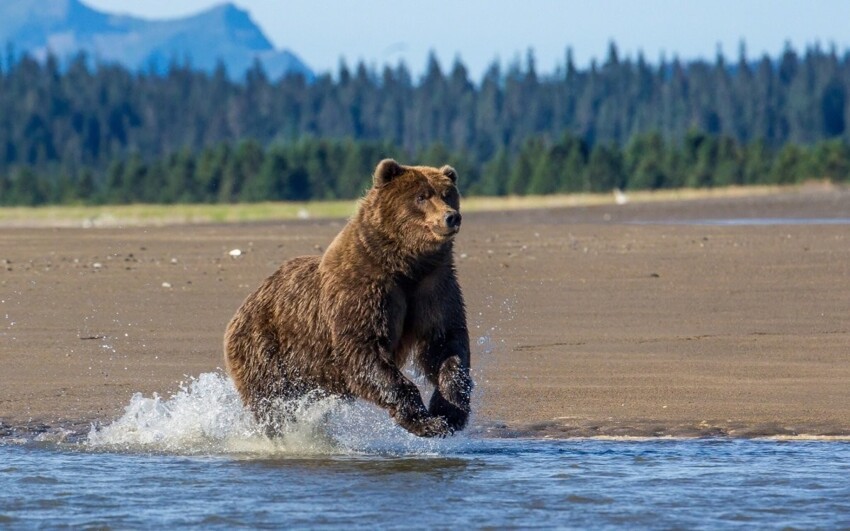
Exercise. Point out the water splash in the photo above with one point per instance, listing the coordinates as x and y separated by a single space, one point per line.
206 416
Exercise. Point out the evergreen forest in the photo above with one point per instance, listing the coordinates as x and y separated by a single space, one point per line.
84 133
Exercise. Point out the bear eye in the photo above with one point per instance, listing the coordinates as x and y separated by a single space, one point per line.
422 197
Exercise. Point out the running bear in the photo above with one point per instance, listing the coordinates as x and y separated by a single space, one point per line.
345 323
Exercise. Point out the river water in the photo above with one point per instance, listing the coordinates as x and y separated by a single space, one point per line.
196 459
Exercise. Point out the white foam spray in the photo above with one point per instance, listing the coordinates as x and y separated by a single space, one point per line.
206 416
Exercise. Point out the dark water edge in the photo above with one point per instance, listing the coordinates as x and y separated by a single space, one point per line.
579 483
77 431
650 429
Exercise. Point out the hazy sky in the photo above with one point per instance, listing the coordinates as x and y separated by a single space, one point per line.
479 31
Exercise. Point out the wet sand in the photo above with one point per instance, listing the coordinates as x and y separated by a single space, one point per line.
598 321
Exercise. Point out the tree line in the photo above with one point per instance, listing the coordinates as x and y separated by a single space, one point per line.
83 132
332 169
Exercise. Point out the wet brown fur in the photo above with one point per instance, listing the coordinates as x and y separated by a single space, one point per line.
345 323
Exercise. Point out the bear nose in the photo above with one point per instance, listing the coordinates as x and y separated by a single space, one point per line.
453 219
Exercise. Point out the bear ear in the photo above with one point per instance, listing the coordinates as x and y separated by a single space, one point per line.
449 172
387 170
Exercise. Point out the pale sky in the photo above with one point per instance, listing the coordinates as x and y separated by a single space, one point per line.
480 31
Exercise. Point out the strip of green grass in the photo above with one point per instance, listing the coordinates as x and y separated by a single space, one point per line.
135 215
130 215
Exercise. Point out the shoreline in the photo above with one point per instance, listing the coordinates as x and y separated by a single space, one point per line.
77 433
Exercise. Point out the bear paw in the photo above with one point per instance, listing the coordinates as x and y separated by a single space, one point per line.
425 425
454 416
431 427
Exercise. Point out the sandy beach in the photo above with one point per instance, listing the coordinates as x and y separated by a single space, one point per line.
648 319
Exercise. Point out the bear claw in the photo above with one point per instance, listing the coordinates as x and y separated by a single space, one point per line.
427 426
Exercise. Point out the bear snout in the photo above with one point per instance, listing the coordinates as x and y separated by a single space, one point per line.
452 219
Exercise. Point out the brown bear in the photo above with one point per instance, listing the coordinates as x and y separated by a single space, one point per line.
345 323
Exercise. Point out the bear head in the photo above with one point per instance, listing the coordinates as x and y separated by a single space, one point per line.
418 205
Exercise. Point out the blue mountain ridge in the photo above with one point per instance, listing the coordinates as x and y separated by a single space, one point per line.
223 33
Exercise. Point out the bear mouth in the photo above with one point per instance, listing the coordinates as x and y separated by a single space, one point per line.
445 233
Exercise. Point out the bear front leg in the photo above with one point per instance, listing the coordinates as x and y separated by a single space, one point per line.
446 364
451 397
387 387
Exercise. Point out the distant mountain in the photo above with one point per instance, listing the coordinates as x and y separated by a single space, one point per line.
65 27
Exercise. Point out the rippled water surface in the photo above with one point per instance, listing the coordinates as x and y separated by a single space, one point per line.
588 483
197 459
